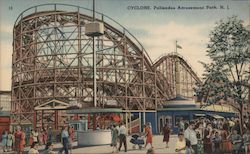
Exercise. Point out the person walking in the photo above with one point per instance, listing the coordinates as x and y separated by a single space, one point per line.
149 135
4 140
122 137
166 133
65 140
190 135
114 136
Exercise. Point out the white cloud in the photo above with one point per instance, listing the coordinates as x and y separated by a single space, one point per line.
161 39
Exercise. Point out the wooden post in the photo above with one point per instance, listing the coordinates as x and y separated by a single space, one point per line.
34 119
89 121
56 120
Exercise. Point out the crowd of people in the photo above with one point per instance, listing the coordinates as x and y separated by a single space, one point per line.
204 136
20 139
201 136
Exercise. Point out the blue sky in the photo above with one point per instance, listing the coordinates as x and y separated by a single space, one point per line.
157 30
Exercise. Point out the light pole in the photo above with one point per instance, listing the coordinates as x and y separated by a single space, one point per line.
94 29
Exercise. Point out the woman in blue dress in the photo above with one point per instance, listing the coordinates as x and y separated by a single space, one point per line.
114 136
4 140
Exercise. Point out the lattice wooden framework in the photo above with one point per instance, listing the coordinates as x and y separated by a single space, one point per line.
52 60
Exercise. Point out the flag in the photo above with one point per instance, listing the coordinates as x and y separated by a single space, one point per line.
178 46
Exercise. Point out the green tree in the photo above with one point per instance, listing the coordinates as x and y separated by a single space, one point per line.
228 73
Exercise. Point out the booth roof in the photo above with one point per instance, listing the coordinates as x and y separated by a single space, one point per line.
94 110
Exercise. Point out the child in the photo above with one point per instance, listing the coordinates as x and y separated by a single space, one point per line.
180 146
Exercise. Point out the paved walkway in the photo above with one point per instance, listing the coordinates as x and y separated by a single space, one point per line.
159 147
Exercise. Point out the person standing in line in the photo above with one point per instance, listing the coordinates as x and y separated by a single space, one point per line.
181 125
65 140
149 135
207 139
71 137
190 135
50 134
44 136
10 141
236 141
40 136
226 143
122 137
217 143
114 133
246 141
166 133
31 137
200 135
189 149
34 148
4 140
19 140
34 136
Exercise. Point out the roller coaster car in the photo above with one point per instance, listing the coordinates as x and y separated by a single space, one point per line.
94 29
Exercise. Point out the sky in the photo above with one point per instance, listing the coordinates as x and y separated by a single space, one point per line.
156 29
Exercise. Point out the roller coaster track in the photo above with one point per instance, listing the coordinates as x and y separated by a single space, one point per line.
52 60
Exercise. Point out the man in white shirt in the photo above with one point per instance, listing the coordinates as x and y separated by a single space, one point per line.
122 137
65 140
190 135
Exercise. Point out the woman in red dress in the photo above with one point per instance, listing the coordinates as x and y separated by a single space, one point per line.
148 134
226 143
166 133
19 140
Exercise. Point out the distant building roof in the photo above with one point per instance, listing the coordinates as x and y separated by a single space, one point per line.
180 102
